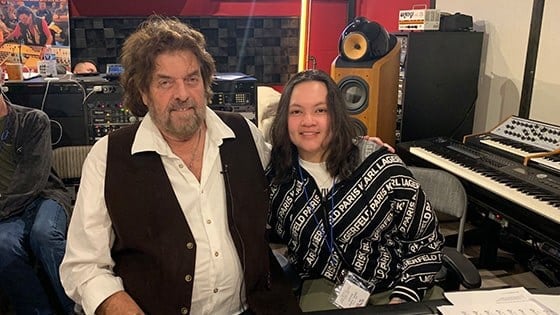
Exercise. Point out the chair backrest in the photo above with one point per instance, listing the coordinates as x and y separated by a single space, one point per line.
446 195
68 161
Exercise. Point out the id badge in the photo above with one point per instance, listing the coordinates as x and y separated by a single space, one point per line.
351 291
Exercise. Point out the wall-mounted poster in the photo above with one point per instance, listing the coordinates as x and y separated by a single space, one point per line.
28 26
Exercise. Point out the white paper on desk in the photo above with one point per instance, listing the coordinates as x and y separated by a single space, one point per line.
511 301
512 308
550 301
470 298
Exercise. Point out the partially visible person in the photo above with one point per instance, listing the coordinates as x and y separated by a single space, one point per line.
170 217
84 67
8 16
31 29
34 210
61 11
44 12
348 211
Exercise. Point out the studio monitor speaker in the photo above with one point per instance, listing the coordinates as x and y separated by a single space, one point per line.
370 90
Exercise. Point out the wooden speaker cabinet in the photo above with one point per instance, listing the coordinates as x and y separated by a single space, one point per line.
370 91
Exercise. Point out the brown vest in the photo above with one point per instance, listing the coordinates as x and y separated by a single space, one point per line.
154 249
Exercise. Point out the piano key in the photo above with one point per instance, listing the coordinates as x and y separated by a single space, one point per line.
548 162
504 147
552 162
492 180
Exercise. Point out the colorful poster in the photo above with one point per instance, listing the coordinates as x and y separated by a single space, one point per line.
28 26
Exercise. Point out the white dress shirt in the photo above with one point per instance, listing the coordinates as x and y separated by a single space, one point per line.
87 268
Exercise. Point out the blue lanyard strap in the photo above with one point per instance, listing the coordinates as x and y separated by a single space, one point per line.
327 214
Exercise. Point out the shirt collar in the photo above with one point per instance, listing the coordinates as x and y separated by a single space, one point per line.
149 138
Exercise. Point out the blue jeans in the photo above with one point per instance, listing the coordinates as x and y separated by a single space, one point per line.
37 234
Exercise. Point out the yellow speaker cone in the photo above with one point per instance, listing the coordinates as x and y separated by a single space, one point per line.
354 46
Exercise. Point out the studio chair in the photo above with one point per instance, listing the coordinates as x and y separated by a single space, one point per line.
67 162
449 199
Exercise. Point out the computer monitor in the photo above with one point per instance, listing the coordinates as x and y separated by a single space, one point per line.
114 71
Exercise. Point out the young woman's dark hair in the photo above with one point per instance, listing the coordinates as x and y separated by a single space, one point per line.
341 153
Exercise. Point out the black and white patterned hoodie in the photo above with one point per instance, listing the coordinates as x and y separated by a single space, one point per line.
382 225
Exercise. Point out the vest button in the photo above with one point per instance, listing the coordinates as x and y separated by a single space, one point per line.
190 245
188 278
215 290
184 310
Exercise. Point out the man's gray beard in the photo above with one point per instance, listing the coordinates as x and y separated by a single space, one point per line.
189 128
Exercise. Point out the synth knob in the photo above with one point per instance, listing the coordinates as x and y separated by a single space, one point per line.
132 119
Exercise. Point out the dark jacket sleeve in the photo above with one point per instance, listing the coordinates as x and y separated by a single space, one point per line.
421 242
33 153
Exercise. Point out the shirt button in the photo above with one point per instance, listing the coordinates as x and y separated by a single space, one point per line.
184 310
216 254
208 221
190 245
216 290
181 165
188 278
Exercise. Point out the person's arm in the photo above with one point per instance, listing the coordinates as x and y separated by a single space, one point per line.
86 271
16 33
421 242
34 155
47 32
117 304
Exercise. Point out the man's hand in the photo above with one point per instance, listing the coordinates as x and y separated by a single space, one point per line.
119 303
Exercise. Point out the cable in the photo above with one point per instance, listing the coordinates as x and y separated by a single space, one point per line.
462 122
60 134
45 95
95 89
69 78
3 91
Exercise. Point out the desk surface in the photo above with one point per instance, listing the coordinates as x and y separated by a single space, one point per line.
422 308
65 78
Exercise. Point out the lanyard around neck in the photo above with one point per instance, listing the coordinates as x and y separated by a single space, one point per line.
328 222
327 214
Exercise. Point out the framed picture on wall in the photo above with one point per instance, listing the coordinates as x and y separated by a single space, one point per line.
28 26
